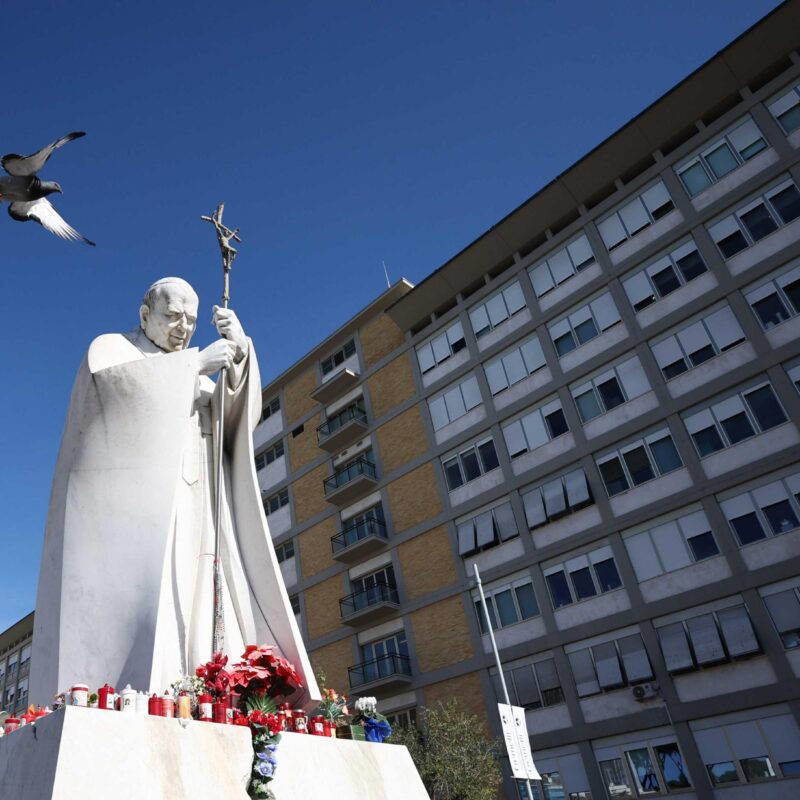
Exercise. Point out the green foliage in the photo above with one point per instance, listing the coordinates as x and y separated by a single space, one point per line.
455 757
260 702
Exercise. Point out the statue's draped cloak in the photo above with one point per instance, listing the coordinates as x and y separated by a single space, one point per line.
125 591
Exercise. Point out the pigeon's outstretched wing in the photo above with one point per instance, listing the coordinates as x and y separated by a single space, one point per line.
43 212
30 165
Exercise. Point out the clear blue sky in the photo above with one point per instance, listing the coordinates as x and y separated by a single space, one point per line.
339 134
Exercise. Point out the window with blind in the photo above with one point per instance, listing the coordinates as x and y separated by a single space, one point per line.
635 215
514 365
487 529
611 388
610 665
708 639
535 428
582 577
734 419
454 402
776 299
562 265
556 498
786 109
671 545
664 275
764 511
439 348
727 152
697 342
756 219
584 324
501 306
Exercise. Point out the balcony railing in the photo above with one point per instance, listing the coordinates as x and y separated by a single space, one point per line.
365 599
337 421
352 471
391 668
358 532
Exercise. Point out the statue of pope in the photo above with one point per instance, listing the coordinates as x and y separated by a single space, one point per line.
126 583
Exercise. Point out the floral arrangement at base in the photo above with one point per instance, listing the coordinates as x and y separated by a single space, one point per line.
333 706
376 726
251 688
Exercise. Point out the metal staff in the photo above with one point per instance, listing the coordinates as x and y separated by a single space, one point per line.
228 252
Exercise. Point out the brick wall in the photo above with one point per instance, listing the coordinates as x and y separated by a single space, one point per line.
378 338
427 562
334 659
441 634
315 547
322 606
401 439
466 688
309 498
303 448
391 385
414 498
296 395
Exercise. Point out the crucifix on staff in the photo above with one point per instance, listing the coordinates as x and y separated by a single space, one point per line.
228 253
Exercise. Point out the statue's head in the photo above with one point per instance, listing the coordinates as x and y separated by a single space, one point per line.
168 314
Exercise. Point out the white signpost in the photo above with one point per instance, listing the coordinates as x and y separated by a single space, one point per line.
518 745
512 718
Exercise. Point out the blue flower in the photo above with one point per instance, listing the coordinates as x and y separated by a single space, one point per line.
265 769
377 730
268 757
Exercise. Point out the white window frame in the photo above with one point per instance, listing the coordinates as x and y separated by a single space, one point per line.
589 311
774 284
454 402
502 305
528 354
282 500
732 139
712 415
689 525
472 531
728 224
534 499
694 654
757 498
270 455
440 347
350 343
625 382
784 102
531 422
270 408
586 560
547 273
463 451
638 283
490 594
676 342
645 442
645 204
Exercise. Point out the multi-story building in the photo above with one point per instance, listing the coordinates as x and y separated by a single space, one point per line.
15 662
597 402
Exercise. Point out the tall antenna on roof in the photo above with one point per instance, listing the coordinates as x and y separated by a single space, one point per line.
386 273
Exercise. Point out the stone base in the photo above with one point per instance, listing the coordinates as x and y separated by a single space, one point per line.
96 755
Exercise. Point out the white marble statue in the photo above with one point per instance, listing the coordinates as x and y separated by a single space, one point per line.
126 583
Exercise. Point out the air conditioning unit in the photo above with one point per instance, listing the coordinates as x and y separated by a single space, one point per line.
644 691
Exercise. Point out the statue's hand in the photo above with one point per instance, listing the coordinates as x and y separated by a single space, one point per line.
230 328
216 356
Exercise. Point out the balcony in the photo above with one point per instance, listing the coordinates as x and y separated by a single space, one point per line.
350 482
342 429
342 382
357 541
369 605
388 671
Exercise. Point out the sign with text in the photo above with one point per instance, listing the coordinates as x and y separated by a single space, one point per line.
515 734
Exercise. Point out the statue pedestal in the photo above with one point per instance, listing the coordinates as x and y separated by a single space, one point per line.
95 755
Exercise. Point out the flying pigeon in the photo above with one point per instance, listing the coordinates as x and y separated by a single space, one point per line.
27 193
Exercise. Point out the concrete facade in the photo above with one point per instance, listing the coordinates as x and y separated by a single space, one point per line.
604 517
15 663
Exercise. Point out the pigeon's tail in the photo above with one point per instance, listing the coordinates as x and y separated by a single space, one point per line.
68 138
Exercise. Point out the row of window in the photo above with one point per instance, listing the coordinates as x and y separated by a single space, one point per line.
748 224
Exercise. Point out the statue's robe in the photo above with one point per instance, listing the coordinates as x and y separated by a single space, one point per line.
126 583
